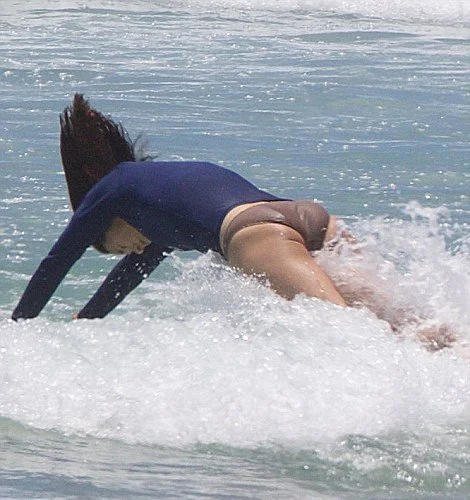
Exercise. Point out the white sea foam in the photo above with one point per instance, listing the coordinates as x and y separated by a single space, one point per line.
213 357
419 10
436 11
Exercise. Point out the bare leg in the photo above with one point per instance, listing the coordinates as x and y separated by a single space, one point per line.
360 286
279 253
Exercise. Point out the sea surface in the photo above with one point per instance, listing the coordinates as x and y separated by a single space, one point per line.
204 384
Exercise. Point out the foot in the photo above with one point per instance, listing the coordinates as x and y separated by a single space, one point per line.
436 337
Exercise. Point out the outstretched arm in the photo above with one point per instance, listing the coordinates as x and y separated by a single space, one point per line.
125 276
89 222
85 227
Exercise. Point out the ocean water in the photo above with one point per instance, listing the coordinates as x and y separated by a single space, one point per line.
204 384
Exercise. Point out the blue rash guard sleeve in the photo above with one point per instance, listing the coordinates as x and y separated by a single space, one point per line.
87 225
125 276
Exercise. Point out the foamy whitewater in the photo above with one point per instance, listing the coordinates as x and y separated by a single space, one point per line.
204 383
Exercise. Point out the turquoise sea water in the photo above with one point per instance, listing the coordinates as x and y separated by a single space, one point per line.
204 384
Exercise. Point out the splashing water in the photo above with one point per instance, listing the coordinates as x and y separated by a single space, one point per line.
211 356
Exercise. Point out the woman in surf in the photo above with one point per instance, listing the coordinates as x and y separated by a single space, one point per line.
147 209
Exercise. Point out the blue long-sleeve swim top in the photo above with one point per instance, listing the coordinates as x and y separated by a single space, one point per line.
176 205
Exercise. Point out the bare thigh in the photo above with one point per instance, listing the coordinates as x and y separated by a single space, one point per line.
279 253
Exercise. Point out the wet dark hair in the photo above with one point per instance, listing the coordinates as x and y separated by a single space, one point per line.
91 145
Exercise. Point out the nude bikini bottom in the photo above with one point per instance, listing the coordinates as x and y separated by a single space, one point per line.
307 217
